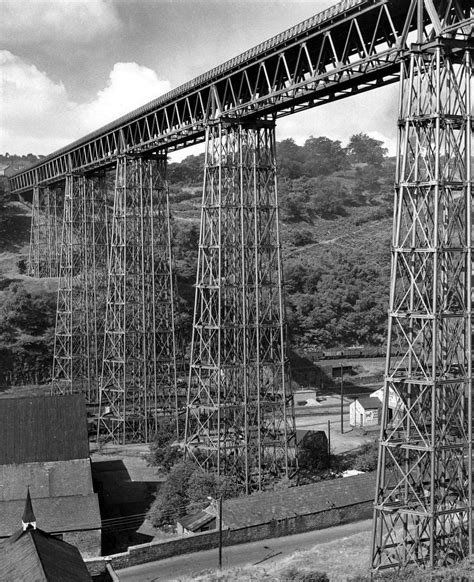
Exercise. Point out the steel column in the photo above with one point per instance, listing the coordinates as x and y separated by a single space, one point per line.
239 418
81 294
43 258
138 382
424 482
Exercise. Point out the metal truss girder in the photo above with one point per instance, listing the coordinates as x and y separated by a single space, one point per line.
349 48
423 499
81 293
239 416
138 381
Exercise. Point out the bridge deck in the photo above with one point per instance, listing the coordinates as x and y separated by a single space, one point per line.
351 47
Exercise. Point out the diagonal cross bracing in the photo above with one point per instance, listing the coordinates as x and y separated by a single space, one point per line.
239 420
352 47
424 482
138 379
43 259
80 311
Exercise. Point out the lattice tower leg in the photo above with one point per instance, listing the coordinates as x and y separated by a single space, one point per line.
78 343
45 233
138 384
239 419
424 482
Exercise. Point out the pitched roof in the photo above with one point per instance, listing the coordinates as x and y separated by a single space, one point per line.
53 514
35 555
43 428
369 402
193 521
266 506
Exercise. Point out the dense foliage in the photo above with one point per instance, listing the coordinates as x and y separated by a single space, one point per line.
187 489
26 334
335 213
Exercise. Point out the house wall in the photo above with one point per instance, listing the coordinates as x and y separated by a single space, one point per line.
208 540
372 417
49 479
356 414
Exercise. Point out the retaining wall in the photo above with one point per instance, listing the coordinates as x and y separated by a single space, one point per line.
208 540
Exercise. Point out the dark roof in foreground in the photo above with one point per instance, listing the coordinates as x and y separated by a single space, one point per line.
43 428
266 506
53 514
35 555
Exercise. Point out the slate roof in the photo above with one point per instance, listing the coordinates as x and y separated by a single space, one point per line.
43 428
53 514
369 402
194 521
265 506
35 555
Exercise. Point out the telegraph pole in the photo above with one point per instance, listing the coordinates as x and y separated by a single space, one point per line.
342 400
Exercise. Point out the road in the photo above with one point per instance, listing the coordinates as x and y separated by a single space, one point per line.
263 552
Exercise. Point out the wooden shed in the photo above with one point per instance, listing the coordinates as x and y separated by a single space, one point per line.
365 411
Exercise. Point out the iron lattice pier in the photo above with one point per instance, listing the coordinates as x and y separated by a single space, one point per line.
138 381
80 311
423 499
45 235
238 419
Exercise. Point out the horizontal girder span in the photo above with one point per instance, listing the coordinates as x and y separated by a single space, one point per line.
351 47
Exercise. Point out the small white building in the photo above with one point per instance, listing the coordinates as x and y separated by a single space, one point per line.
395 405
365 411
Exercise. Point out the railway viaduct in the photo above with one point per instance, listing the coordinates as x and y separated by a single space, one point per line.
101 224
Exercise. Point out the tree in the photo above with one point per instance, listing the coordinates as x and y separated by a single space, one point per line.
165 452
365 149
313 453
187 489
172 499
323 156
290 158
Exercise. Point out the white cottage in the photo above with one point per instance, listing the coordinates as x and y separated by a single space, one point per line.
365 411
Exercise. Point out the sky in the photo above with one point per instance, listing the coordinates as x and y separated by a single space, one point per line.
67 67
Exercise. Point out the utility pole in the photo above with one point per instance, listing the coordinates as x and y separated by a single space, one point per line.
220 532
329 443
342 401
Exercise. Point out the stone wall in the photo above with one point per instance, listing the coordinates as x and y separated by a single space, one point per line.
208 540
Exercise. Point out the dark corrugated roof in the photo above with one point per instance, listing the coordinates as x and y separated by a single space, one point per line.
53 514
275 505
35 555
43 428
194 521
369 402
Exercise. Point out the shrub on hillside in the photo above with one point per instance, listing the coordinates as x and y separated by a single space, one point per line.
295 574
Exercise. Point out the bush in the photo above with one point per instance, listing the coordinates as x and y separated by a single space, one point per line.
294 574
367 458
164 451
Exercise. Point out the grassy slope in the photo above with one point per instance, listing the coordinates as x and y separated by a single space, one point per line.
342 560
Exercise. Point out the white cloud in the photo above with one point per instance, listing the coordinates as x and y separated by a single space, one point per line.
129 86
32 21
36 114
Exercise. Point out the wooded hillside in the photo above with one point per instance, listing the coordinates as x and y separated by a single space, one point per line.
335 210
